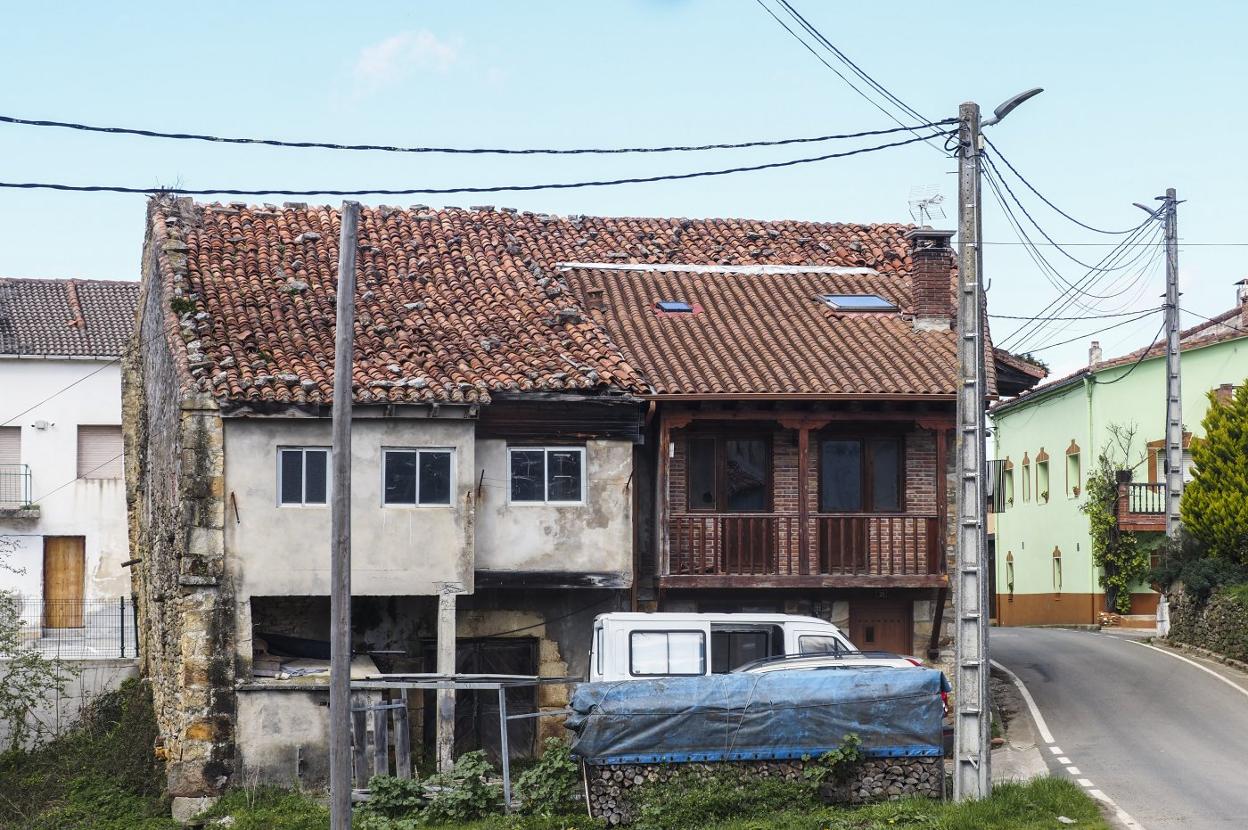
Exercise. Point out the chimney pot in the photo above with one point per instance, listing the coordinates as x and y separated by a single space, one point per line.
593 298
932 298
1094 353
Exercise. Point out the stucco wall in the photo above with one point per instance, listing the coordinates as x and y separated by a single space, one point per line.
92 508
283 737
277 550
595 537
89 679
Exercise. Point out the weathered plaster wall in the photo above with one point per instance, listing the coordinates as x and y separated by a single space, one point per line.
595 537
283 737
72 392
90 678
276 550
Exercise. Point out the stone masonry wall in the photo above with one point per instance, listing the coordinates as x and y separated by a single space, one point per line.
874 779
175 483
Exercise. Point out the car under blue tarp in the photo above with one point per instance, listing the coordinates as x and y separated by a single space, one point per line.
744 717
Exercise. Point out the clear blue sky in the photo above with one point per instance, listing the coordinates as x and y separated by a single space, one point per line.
1139 96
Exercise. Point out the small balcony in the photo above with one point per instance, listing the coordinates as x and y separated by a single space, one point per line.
1142 507
787 550
15 497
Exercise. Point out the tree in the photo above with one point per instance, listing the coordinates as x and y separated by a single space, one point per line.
1215 502
27 678
1118 554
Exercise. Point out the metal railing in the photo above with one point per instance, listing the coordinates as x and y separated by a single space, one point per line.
14 485
1146 498
79 629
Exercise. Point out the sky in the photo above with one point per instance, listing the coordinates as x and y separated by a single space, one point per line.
1139 96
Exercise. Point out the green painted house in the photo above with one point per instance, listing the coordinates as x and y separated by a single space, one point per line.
1047 440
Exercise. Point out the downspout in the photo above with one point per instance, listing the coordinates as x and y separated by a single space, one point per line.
1089 382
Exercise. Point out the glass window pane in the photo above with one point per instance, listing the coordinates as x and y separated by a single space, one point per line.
885 474
701 474
840 477
400 478
686 652
730 649
563 467
818 644
667 652
528 475
745 474
435 478
316 475
291 476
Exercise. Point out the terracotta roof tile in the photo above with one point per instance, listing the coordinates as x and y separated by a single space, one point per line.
74 318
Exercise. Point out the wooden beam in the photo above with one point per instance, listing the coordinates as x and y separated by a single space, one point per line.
661 495
803 509
805 581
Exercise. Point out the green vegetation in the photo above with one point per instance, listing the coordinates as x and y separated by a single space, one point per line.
1118 554
101 775
1215 502
551 786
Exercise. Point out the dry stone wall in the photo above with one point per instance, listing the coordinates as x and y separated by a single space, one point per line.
612 787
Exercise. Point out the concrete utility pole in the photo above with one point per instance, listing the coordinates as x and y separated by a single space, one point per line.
972 775
1174 399
340 531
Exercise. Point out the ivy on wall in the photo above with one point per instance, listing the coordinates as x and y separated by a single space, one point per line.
1122 560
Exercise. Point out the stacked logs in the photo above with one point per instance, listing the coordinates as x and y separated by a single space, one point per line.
873 779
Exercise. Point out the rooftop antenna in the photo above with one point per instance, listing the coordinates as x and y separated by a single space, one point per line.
926 204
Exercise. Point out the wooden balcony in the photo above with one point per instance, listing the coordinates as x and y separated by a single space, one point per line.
786 550
1142 507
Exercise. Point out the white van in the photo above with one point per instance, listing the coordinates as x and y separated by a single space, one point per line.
630 645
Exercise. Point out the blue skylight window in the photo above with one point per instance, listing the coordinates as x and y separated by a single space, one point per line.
674 306
858 302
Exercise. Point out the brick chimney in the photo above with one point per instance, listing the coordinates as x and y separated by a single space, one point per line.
1225 393
930 278
1242 296
1094 353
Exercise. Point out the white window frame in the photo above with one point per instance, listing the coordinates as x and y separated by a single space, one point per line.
450 498
329 476
546 501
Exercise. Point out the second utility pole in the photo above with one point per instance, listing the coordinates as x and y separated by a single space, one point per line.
969 581
1174 386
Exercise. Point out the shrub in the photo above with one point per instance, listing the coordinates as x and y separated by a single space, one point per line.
461 794
551 786
395 797
838 765
1215 502
701 799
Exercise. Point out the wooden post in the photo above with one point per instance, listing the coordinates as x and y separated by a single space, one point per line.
359 739
445 738
340 531
942 497
403 740
803 509
381 739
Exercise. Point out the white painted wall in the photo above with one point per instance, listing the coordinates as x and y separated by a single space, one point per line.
92 508
275 550
594 537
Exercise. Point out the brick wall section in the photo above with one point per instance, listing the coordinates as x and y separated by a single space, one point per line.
931 277
175 501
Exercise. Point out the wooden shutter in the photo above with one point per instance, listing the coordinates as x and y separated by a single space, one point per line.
10 445
99 452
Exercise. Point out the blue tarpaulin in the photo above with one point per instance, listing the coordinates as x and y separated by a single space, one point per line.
772 715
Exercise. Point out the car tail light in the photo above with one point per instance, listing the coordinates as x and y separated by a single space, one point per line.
914 661
944 701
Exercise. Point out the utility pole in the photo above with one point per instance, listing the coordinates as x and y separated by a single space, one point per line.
972 775
1174 399
340 531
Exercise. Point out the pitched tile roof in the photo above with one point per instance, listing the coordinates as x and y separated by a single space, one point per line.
455 304
769 334
74 318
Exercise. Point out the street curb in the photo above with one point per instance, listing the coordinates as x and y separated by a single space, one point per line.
1203 652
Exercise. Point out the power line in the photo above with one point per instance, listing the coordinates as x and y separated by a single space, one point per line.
1045 199
411 191
325 145
61 390
75 478
1134 366
1133 244
1085 317
1212 320
1098 331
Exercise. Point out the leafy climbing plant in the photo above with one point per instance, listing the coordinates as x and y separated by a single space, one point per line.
1117 553
551 785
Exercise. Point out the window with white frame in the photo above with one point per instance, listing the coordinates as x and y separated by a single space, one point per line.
302 475
666 653
550 475
417 477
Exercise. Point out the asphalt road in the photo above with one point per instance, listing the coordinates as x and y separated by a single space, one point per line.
1165 740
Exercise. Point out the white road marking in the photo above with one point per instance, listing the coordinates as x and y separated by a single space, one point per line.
1124 818
1063 761
1205 669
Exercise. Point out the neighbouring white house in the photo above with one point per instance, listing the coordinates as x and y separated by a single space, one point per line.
63 531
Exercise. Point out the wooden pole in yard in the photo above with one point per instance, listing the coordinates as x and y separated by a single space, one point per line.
340 531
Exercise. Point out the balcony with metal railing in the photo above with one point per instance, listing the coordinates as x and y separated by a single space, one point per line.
15 493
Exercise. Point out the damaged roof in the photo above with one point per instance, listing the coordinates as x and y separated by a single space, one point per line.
66 317
456 304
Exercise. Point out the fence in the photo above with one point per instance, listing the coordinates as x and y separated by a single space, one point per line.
14 485
79 629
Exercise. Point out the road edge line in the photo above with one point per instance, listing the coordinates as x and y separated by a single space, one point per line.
1191 662
1036 717
1124 818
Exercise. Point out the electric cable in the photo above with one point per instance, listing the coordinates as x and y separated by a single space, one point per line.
1098 331
1134 366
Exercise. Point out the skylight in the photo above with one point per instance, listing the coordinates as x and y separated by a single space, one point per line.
674 306
857 302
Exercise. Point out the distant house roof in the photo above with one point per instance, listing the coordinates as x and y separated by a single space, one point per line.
66 317
455 305
1226 326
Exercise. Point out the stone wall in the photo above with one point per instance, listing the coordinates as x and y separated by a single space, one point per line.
874 779
1220 624
176 507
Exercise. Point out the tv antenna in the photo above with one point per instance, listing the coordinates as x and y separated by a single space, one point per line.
926 203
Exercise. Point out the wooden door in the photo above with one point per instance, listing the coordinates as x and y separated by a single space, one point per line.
64 564
881 624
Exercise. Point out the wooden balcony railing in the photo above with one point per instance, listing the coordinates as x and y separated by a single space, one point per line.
867 545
